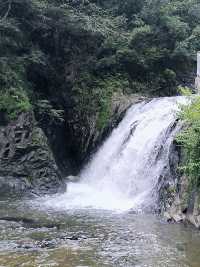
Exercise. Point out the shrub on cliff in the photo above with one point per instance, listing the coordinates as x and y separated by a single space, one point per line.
13 102
189 139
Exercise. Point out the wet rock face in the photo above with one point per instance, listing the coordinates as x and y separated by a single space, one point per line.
84 135
26 161
186 204
169 180
179 200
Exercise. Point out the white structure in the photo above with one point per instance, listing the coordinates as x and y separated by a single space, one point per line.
198 64
197 80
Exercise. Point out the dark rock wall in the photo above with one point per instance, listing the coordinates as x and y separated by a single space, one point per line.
26 161
85 138
168 181
179 199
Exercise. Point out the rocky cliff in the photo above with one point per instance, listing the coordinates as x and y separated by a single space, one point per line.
27 164
179 199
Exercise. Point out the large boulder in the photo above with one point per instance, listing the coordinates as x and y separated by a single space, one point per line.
27 164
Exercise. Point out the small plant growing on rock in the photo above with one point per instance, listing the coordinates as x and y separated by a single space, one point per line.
189 139
13 102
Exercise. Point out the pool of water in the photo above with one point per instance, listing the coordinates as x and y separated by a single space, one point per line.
32 236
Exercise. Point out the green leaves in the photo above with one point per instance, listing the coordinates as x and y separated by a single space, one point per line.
189 139
13 102
185 91
46 47
176 28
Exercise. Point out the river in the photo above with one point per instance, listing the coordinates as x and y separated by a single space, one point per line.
89 237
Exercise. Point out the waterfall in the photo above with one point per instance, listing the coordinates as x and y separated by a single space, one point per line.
124 172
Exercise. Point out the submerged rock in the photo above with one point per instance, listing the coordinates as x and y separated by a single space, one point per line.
27 165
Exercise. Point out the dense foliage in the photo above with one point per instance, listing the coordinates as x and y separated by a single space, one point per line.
189 139
76 53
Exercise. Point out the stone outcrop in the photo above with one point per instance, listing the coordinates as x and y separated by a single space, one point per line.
179 200
27 164
168 181
186 204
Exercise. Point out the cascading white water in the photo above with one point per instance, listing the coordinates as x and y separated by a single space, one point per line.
124 172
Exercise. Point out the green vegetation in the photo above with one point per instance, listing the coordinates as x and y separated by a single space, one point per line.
76 54
96 100
184 90
13 102
189 139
